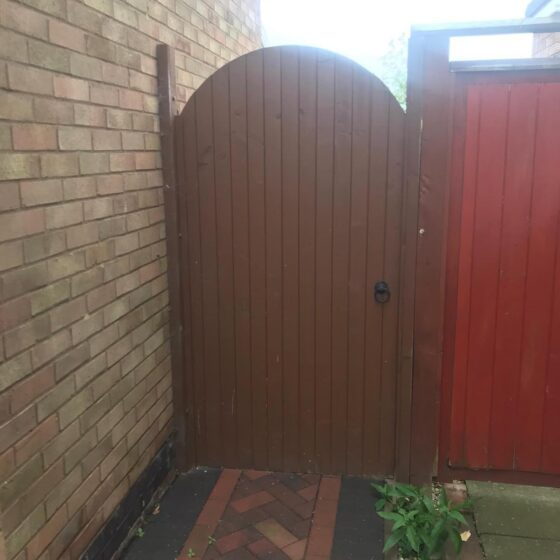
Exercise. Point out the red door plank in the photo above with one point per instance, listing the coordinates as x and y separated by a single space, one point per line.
513 265
540 283
485 271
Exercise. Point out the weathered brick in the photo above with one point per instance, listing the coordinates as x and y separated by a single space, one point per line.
74 138
53 7
86 281
104 95
118 119
59 165
96 455
50 348
63 491
106 140
65 265
53 400
103 339
49 56
17 540
33 442
89 371
26 335
22 280
32 387
11 255
115 310
17 427
109 184
101 296
67 313
46 534
83 234
71 360
19 18
34 193
123 161
64 215
133 140
113 74
86 327
50 296
61 443
129 99
94 413
90 115
14 313
112 227
49 110
43 245
91 163
102 48
110 420
73 408
18 166
98 208
78 187
71 88
34 137
66 35
32 80
9 196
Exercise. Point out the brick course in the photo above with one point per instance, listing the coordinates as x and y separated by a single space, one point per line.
85 380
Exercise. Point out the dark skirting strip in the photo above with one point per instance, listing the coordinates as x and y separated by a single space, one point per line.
359 531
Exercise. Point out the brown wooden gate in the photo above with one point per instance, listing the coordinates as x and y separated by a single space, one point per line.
289 179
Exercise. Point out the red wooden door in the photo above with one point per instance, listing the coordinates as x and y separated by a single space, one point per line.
289 165
502 351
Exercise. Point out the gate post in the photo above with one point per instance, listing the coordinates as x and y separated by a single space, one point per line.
167 111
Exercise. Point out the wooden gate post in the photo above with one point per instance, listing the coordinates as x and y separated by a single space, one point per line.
167 110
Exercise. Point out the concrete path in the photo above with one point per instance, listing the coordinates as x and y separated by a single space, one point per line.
517 522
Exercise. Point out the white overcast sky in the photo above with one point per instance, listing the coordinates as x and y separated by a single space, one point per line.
362 29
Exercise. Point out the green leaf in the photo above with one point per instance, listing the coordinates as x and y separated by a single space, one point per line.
412 539
393 539
390 515
456 540
380 504
458 516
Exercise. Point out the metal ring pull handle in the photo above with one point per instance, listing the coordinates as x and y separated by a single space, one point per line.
381 292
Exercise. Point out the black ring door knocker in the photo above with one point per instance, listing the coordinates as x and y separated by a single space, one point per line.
381 292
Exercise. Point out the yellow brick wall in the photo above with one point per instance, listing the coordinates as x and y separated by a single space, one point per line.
85 381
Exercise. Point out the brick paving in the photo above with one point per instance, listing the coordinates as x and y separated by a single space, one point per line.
261 515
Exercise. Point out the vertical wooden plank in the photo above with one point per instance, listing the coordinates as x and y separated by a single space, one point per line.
378 157
167 112
463 302
273 200
357 287
437 84
257 249
391 268
540 283
290 256
209 269
340 248
241 259
492 149
324 263
193 252
226 296
307 241
513 263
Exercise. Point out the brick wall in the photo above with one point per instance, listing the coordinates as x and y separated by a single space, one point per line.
546 45
85 382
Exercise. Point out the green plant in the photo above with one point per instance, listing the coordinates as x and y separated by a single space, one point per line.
139 532
191 553
421 526
211 540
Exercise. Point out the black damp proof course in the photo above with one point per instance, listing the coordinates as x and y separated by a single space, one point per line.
165 533
110 539
359 532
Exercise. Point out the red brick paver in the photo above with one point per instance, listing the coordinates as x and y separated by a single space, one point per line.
261 515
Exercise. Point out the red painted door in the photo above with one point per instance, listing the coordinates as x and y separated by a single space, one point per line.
502 362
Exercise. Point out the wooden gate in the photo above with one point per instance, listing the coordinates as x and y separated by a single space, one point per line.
289 179
502 372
